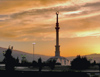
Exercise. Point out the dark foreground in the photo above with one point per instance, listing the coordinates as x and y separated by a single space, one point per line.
41 74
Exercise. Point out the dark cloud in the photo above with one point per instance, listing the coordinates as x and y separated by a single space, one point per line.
4 17
97 4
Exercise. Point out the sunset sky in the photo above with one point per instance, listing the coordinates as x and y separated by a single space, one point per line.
23 22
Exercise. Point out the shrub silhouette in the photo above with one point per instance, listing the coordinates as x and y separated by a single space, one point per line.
34 63
17 61
80 63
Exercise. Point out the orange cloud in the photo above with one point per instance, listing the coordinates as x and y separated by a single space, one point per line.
9 6
38 23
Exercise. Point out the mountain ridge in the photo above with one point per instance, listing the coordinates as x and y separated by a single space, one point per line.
18 53
30 57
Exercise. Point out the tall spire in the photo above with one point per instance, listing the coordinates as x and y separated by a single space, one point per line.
57 52
57 46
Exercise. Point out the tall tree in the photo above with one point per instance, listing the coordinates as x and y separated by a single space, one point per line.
9 60
80 63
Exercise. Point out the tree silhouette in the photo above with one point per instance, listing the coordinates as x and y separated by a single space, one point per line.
80 63
9 60
94 63
52 64
40 64
17 61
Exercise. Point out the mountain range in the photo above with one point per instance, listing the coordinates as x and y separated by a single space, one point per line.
19 54
29 57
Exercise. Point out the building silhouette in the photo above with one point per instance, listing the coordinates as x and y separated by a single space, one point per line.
57 56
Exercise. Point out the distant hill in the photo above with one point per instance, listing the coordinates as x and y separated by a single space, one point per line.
17 53
29 57
94 56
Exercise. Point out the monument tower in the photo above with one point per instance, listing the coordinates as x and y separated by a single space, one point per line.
57 47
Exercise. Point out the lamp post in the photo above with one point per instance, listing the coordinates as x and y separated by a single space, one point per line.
33 50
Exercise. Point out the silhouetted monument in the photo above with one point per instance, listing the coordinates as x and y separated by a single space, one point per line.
57 47
9 60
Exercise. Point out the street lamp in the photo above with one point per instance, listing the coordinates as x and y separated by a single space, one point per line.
33 50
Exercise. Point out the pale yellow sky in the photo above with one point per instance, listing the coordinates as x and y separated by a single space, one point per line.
23 22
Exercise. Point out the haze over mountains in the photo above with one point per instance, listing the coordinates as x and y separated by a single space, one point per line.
19 54
29 57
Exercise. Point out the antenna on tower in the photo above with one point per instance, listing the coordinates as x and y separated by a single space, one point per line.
57 18
57 12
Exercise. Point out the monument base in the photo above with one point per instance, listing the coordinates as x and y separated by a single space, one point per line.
60 59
